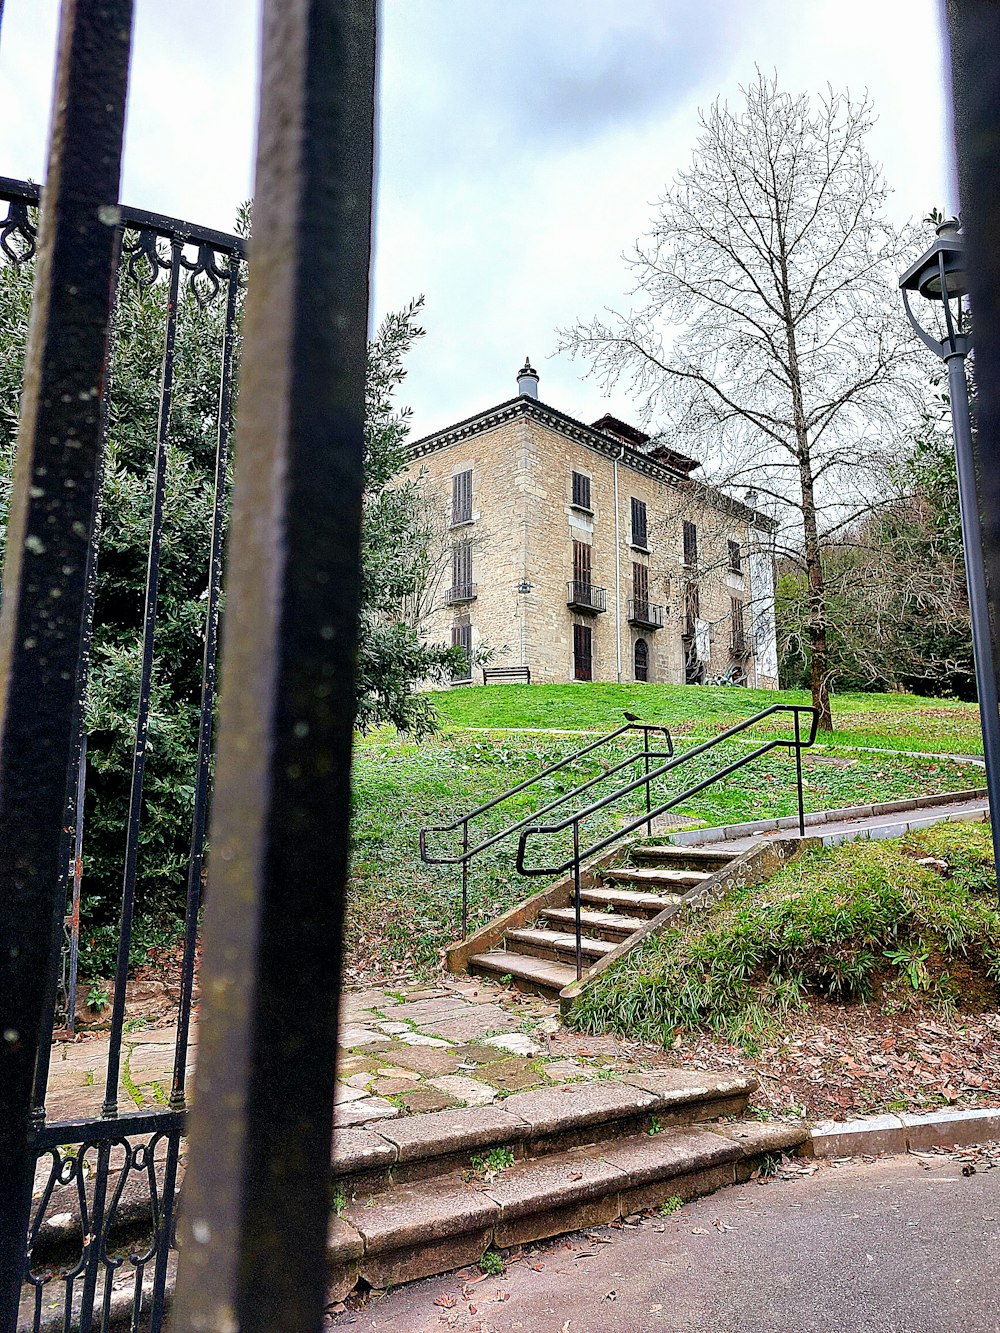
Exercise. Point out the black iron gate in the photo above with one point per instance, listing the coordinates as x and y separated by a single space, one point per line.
102 1224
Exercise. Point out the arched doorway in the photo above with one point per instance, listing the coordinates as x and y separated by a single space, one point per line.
641 654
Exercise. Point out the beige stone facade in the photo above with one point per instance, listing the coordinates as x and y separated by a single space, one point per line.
514 519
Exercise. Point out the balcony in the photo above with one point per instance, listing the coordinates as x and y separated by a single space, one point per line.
586 597
462 592
645 615
740 647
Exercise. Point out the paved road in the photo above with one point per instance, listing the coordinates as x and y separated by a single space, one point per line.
880 1247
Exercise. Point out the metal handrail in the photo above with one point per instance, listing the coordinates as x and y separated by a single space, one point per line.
468 853
797 743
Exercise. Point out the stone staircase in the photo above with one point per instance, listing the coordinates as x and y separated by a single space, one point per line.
539 954
428 1193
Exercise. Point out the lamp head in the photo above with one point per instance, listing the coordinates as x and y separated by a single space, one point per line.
940 274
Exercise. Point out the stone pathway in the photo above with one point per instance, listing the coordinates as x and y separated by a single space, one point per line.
463 1043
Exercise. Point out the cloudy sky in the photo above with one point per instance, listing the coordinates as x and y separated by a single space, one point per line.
522 143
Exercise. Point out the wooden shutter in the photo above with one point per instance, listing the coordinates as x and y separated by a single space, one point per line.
735 558
461 566
639 523
461 637
461 497
581 563
581 490
640 584
739 632
583 662
690 543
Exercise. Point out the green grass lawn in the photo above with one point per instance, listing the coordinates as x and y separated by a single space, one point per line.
891 923
403 911
887 721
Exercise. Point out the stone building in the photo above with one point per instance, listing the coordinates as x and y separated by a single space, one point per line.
587 552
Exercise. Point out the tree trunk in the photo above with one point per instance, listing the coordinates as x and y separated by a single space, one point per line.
819 655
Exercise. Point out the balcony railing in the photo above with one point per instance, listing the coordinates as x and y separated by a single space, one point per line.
586 597
740 646
648 615
462 592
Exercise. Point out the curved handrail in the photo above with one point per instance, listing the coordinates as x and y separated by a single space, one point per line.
528 782
796 743
462 822
468 854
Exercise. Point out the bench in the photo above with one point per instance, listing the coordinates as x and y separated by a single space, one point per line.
512 673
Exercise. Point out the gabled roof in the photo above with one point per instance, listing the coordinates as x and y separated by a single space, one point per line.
661 464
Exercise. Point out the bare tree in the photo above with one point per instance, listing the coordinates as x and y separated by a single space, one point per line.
766 327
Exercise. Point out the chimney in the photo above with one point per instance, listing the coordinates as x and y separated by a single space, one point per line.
527 380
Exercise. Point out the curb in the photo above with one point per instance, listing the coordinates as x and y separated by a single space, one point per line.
905 1133
729 832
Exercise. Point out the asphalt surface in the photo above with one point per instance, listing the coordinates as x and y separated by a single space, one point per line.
890 1246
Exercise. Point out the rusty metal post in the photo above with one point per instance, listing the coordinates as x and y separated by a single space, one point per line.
257 1199
52 520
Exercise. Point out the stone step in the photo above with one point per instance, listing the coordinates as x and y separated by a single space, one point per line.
692 858
413 1230
664 878
554 944
535 973
607 925
629 900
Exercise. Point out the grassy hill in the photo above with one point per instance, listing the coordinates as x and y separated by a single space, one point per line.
893 924
404 911
883 721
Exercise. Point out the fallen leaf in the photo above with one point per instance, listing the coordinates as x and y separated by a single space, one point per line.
445 1302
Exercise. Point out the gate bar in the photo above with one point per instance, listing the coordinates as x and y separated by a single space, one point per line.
52 519
975 90
257 1199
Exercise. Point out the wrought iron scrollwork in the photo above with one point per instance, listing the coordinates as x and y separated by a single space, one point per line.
143 260
18 224
83 1251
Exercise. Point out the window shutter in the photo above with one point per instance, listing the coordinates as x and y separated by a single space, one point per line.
581 490
461 497
735 558
461 565
639 536
690 543
739 634
640 584
581 563
461 637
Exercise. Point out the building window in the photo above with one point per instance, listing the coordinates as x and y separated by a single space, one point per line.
462 587
692 609
639 524
581 566
581 491
461 637
640 587
461 498
690 543
739 638
735 558
583 652
641 653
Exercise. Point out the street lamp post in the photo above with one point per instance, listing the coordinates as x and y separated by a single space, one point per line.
939 275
